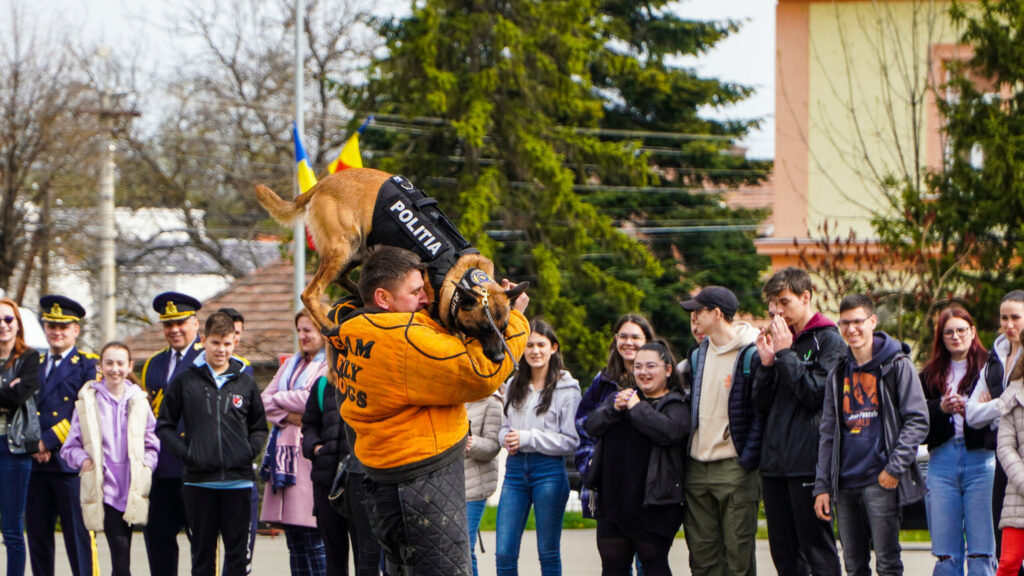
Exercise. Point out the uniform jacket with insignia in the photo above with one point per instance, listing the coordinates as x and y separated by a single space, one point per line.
405 381
55 402
154 382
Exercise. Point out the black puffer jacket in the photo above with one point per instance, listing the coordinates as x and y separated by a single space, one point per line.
323 428
790 393
667 425
225 428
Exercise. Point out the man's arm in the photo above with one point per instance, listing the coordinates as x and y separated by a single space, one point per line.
167 422
913 411
468 373
826 432
807 379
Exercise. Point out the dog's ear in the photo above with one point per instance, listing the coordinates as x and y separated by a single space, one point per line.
517 290
467 297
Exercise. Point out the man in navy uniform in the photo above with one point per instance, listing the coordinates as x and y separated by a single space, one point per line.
53 489
166 506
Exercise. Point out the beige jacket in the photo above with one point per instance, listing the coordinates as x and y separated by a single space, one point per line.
481 458
1010 451
136 511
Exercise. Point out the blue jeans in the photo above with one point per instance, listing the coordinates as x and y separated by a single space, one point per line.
474 512
958 502
866 516
15 470
541 481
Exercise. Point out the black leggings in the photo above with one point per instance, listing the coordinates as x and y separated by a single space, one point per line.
618 549
119 538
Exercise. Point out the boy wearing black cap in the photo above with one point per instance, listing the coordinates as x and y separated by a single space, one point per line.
53 489
721 484
177 313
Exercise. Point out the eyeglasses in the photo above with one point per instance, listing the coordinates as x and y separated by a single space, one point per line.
853 322
9 320
961 332
630 337
648 367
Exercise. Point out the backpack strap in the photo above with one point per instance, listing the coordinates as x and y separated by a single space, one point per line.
748 358
321 385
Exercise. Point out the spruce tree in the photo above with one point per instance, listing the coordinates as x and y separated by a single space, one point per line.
503 110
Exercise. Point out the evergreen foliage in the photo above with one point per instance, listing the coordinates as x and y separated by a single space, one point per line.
523 119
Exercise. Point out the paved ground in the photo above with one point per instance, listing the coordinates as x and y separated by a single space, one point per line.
579 556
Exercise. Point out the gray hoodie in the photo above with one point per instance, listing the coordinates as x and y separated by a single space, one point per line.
552 433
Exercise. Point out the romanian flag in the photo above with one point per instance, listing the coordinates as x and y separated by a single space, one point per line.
304 173
349 156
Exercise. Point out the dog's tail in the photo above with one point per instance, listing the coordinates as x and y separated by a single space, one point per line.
281 210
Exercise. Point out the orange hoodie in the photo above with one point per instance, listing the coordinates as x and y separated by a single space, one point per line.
405 382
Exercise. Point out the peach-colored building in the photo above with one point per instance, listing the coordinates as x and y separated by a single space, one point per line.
853 103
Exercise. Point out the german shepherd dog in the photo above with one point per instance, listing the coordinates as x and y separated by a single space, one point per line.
340 217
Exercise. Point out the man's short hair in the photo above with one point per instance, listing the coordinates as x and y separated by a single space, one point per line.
791 278
386 267
219 324
1013 296
235 315
857 301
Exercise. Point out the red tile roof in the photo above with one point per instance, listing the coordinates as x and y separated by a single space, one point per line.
265 300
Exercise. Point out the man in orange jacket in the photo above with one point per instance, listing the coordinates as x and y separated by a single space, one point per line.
405 381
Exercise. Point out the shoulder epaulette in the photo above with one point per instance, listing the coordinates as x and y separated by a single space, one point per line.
198 346
89 355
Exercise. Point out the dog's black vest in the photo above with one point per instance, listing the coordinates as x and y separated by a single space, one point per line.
406 217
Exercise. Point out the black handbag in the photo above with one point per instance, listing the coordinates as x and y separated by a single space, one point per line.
338 496
23 432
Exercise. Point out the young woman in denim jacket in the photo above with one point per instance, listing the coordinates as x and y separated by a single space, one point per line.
538 430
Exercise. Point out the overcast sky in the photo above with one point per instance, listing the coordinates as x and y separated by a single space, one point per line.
748 57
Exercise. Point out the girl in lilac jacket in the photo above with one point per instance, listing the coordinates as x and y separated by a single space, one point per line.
113 442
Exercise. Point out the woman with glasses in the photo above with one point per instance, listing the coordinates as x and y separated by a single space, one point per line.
630 333
19 380
960 468
538 431
638 465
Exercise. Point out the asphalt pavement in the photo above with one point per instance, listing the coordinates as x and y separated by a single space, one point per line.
579 556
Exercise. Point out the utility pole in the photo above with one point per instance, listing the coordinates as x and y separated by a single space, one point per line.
299 232
108 226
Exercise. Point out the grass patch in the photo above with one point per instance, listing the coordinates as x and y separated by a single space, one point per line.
576 521
570 521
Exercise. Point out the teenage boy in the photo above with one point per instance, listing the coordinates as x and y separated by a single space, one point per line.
254 501
225 428
720 516
798 349
873 418
53 488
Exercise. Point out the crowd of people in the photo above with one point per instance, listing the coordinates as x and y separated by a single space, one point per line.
379 439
